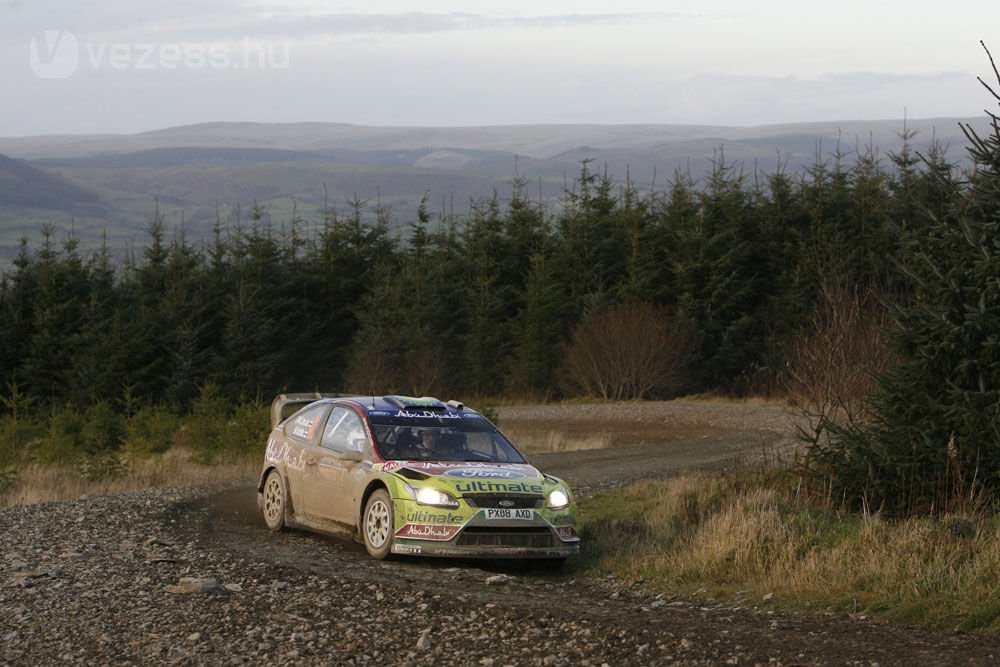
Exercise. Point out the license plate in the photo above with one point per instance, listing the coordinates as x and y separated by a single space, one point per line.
517 515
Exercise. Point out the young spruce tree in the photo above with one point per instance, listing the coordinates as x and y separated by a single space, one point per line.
935 443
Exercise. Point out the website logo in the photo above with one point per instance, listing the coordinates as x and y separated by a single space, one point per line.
55 54
58 54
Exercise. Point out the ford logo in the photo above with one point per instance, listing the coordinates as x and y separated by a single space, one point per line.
506 503
485 473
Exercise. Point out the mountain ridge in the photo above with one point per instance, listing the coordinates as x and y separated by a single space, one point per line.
533 140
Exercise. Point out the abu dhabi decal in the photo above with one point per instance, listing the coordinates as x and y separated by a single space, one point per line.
281 452
419 531
426 414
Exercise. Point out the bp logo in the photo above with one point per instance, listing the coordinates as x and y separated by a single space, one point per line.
55 54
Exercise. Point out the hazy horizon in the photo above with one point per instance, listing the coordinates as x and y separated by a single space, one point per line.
825 122
111 67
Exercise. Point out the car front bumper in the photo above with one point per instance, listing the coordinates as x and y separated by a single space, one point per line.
482 538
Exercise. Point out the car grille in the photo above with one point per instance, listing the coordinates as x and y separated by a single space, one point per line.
504 501
535 538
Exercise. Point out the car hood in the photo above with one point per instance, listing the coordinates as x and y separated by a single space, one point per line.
466 476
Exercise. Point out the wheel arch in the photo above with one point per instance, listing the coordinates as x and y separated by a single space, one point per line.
372 487
263 477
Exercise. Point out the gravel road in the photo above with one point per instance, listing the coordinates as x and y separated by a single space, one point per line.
190 576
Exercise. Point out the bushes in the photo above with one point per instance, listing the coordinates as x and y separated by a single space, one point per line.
215 430
101 442
18 434
74 436
833 365
626 352
151 430
63 443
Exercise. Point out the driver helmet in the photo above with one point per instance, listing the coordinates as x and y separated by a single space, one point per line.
426 437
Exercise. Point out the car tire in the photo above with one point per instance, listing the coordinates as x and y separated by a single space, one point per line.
274 501
377 525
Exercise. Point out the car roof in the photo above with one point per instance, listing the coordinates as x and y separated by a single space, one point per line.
407 406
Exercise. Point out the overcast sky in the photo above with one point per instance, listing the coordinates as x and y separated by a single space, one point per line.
68 66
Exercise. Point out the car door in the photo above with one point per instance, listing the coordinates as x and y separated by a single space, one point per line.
330 487
302 432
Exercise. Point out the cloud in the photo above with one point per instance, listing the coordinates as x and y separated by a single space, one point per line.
830 96
420 22
235 24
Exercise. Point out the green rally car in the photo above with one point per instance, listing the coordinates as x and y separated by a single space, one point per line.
410 475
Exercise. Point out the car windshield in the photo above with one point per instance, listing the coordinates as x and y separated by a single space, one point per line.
465 439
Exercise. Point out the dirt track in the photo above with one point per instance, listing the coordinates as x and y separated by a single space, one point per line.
89 581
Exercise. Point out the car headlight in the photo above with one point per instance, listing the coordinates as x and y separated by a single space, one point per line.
433 497
558 499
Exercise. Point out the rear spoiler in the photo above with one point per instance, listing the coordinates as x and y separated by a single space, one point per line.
284 405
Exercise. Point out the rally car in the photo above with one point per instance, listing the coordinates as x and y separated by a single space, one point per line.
408 475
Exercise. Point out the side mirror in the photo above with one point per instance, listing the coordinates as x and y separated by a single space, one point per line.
350 455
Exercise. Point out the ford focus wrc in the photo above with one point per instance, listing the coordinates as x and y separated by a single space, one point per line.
410 475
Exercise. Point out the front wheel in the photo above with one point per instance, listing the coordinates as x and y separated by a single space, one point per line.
377 525
273 501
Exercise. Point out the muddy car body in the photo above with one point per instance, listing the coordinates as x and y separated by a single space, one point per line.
413 476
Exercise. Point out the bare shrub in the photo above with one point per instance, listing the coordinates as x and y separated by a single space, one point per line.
627 351
833 365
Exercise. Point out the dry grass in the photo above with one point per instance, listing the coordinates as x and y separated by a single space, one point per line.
735 539
37 483
532 441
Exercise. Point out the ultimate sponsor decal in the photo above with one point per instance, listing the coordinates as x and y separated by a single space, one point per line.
486 473
419 516
420 531
497 487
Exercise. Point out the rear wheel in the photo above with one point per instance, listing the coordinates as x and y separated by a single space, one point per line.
377 525
274 501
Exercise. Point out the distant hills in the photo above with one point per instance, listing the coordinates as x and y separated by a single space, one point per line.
194 174
23 185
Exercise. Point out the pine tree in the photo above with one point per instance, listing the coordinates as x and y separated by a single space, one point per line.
935 443
542 326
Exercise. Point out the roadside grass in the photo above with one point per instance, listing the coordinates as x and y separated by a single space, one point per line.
531 441
745 536
35 482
